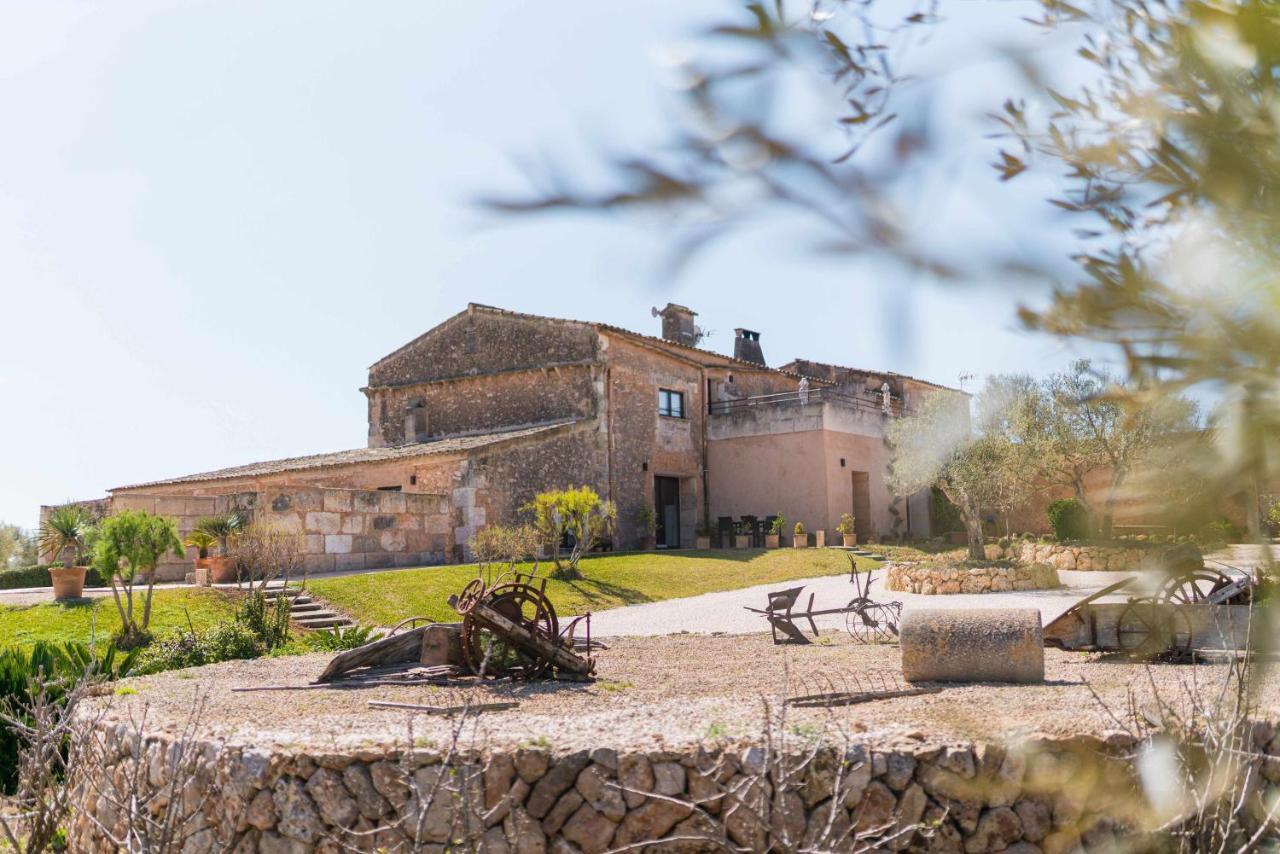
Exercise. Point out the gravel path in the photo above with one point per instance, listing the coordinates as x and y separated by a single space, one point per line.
725 611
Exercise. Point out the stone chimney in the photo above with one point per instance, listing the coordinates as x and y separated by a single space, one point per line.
677 324
746 346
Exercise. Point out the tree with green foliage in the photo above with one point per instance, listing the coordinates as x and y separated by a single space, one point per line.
1069 520
576 513
130 544
936 446
17 547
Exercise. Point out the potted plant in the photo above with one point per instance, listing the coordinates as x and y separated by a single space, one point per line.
201 541
801 540
743 540
773 539
222 567
67 531
848 531
703 541
648 524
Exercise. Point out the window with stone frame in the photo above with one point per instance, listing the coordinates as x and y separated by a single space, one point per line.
670 403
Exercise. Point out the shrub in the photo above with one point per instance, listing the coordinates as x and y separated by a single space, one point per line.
799 530
227 642
58 667
578 514
68 530
1217 533
130 544
779 525
265 618
847 524
339 639
1069 518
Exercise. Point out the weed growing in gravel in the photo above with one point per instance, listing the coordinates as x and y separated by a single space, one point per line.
716 731
540 741
611 686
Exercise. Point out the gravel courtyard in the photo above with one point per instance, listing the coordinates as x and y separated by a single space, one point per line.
654 692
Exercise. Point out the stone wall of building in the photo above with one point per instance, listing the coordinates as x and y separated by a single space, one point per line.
932 577
1042 794
481 340
340 528
480 404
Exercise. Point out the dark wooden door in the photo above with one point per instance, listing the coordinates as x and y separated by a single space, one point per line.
861 507
666 512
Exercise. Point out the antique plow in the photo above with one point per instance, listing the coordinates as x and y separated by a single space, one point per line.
866 620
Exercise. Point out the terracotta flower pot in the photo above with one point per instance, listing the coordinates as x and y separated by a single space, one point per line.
222 570
820 539
68 581
202 563
771 541
800 541
742 541
703 543
848 540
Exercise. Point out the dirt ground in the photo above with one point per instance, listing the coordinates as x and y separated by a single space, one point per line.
661 692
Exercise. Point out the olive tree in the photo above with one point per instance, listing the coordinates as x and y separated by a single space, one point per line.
937 446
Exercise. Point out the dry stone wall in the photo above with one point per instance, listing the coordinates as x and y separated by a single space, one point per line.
930 578
1042 794
1084 558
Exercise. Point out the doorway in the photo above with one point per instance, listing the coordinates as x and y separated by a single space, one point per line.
861 507
666 512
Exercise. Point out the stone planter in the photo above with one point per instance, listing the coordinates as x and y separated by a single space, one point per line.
819 539
771 541
742 541
800 541
222 570
848 540
702 543
68 582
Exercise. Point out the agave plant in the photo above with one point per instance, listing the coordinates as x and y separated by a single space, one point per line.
69 528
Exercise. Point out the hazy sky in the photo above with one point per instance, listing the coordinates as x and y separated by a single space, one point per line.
214 216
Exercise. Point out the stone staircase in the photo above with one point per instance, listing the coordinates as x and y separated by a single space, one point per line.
308 612
857 552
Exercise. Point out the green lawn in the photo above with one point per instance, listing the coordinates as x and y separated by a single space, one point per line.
98 617
385 598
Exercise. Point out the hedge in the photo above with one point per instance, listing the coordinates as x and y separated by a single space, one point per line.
38 576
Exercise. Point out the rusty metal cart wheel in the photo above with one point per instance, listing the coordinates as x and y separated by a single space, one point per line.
1190 587
409 623
490 654
871 622
1147 629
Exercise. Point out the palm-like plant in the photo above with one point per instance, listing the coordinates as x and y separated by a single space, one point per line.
222 528
201 541
67 528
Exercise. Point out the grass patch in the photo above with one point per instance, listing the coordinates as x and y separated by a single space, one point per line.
385 598
97 618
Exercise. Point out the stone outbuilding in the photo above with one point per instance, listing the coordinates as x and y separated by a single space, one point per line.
470 420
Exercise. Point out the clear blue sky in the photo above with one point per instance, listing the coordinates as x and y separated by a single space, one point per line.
215 215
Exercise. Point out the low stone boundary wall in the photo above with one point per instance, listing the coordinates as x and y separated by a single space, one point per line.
1083 558
935 578
1042 794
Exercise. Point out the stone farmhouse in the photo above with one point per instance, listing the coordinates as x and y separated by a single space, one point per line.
471 419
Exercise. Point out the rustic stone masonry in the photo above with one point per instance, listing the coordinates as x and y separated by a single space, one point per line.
1088 558
1043 794
929 577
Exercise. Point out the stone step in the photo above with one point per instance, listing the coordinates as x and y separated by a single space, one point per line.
323 621
308 608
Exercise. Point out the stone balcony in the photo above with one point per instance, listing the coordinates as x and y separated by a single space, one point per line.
835 409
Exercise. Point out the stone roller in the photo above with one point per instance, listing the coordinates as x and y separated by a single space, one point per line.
996 645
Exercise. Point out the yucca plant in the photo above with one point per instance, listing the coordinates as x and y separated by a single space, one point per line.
69 528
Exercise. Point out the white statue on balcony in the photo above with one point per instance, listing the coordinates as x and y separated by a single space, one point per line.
804 390
884 398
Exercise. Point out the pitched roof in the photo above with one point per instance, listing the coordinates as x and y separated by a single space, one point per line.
451 445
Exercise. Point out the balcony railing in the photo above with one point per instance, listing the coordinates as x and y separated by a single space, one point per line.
870 401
